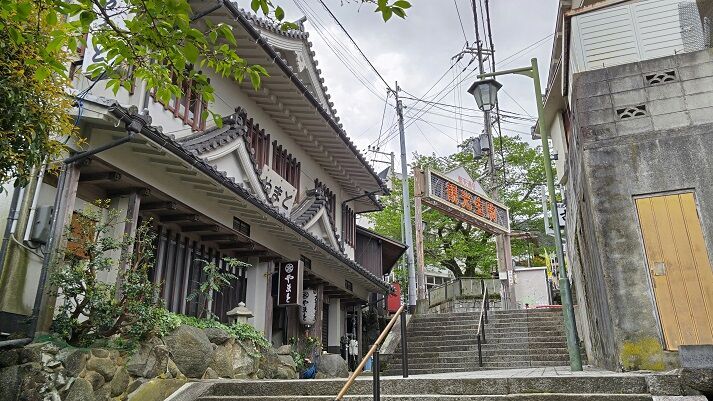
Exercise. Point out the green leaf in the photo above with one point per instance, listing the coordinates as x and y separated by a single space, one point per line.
401 13
41 73
254 79
51 18
213 36
402 4
15 35
55 43
228 34
191 52
86 18
279 13
23 10
255 5
218 120
386 14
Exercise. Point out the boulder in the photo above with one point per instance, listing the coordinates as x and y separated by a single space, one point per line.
190 349
103 393
104 366
222 363
216 335
135 385
173 370
95 379
149 360
9 382
100 353
700 379
210 374
284 350
697 367
332 365
73 360
287 368
119 382
245 359
10 357
81 390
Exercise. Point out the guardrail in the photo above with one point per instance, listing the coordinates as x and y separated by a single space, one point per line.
374 350
464 287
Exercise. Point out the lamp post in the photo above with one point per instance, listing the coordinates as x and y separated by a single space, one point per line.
485 93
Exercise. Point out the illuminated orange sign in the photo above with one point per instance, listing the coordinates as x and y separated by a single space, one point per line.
457 201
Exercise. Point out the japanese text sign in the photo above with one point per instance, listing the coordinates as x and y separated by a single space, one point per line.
459 202
280 193
289 291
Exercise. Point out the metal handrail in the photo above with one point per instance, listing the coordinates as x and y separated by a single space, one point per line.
482 321
374 350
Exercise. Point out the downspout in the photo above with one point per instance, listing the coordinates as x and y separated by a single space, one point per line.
11 219
132 128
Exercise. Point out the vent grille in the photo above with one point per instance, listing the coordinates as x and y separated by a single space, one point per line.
660 77
630 112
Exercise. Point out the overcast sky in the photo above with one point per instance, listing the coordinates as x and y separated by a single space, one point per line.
416 52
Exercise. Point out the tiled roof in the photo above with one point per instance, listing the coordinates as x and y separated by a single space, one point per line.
142 123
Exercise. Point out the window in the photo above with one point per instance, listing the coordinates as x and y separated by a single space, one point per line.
286 165
331 199
349 226
190 107
258 141
241 226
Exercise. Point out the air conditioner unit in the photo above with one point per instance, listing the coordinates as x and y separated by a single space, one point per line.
42 224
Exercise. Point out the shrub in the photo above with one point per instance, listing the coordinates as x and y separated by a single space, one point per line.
240 331
91 308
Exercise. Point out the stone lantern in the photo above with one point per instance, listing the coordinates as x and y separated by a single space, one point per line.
239 314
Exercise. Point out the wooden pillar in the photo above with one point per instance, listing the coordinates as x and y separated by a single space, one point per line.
269 301
63 208
360 331
130 226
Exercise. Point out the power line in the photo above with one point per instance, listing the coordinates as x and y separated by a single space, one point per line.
455 2
354 43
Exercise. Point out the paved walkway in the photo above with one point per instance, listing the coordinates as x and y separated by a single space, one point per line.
524 372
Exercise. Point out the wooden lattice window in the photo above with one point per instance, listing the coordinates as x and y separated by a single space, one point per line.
188 108
331 199
258 140
349 226
287 166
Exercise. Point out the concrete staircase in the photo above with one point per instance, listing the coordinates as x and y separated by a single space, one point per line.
515 339
589 387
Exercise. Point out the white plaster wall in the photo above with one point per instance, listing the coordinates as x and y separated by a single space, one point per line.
531 287
336 318
256 297
558 145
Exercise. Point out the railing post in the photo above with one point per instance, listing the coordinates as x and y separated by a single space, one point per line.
404 346
376 367
480 353
482 331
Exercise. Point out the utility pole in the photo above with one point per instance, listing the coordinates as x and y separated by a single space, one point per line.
406 197
502 241
418 217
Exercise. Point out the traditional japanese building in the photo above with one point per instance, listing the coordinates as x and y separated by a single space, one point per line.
279 181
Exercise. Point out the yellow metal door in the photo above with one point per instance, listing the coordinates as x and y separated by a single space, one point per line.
680 269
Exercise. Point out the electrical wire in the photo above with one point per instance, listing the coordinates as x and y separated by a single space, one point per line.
354 43
460 20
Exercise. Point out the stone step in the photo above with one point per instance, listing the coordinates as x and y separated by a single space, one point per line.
487 351
590 384
514 397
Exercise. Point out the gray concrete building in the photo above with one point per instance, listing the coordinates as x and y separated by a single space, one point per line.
633 125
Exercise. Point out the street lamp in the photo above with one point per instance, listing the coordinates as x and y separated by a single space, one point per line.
485 92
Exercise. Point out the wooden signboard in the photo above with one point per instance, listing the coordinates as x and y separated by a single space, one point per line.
458 201
289 286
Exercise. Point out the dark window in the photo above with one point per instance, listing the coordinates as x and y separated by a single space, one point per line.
349 226
258 141
188 108
331 199
348 284
241 226
306 262
286 165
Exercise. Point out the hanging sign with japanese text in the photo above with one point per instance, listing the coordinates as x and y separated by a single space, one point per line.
289 286
280 193
460 202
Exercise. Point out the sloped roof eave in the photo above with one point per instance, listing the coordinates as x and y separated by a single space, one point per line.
174 147
282 64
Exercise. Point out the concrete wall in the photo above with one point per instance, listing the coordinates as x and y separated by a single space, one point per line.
613 160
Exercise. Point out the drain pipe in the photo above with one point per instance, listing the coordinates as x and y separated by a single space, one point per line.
11 219
132 128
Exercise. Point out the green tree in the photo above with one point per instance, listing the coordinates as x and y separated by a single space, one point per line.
457 246
160 44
